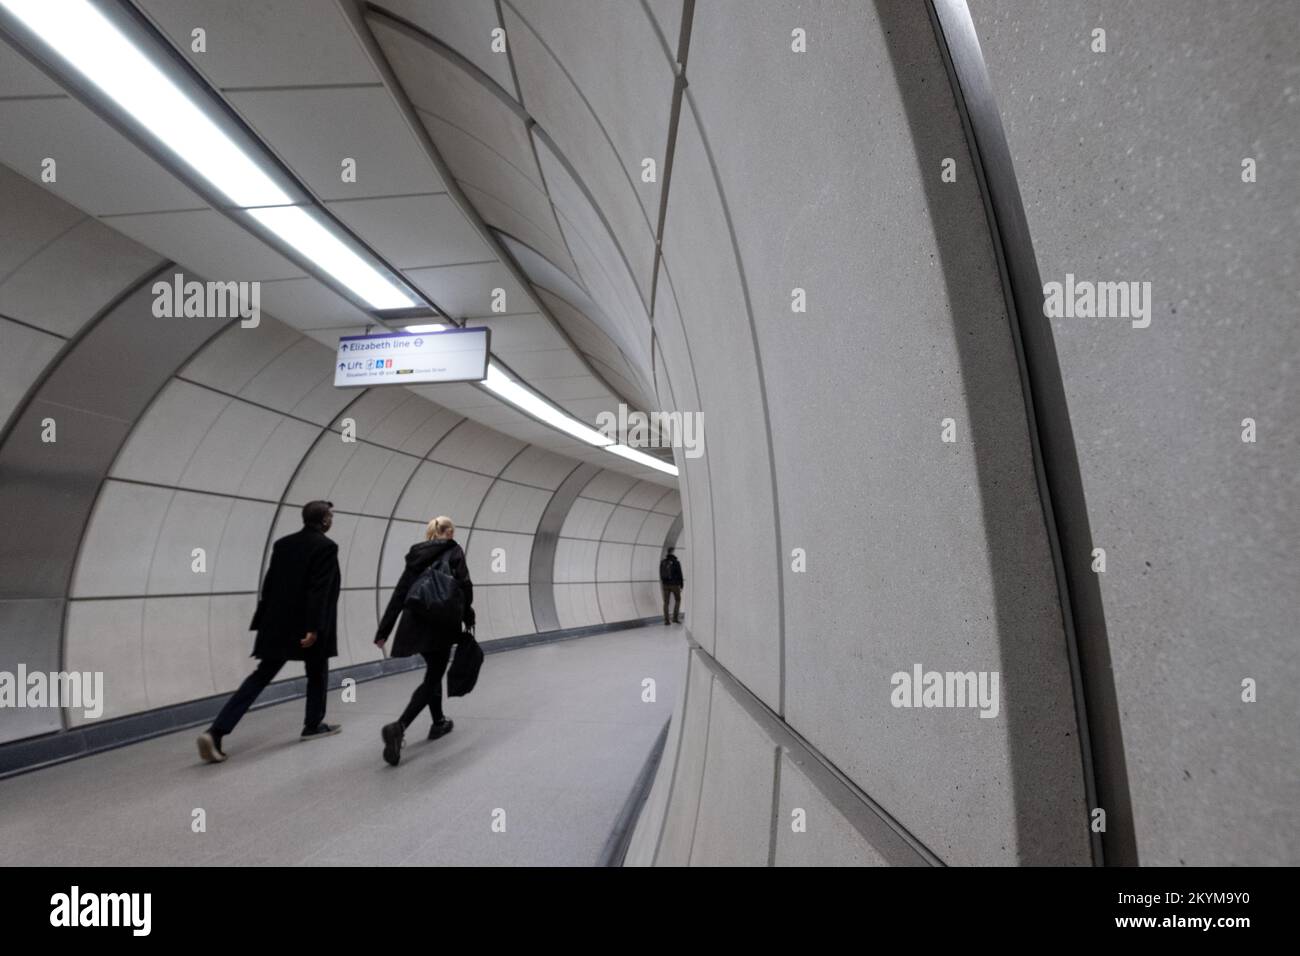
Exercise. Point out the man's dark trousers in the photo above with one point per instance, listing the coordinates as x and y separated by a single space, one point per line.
318 670
676 591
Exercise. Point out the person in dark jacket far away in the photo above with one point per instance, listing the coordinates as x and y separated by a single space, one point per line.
670 577
296 620
418 634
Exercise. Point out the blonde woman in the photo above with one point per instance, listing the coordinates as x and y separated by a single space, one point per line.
435 599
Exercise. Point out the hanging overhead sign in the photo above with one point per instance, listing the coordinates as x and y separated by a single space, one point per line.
410 358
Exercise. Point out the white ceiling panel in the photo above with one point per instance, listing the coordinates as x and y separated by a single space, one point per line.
466 291
19 78
534 365
30 218
314 130
436 85
464 25
39 292
535 433
588 408
518 333
256 43
493 415
456 395
330 337
97 169
506 219
208 244
310 304
415 231
570 388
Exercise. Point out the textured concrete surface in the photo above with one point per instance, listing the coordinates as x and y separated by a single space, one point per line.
733 825
672 843
710 294
1130 167
918 550
824 837
553 735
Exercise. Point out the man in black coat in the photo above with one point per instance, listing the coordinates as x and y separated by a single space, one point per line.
296 620
670 579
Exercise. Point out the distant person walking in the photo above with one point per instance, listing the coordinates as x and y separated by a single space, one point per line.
296 620
670 578
435 599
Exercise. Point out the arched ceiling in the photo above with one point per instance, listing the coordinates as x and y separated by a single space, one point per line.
437 195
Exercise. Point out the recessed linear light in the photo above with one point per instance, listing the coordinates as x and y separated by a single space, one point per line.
83 36
504 387
525 400
305 233
425 328
79 33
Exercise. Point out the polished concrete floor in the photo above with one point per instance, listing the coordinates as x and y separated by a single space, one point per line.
553 735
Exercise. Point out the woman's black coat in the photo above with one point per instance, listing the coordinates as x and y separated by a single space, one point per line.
300 594
416 635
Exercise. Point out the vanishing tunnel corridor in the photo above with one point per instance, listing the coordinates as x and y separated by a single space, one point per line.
949 346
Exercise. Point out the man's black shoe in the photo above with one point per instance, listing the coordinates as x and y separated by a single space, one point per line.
393 735
320 730
441 729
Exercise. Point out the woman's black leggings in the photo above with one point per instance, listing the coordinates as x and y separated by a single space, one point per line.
429 694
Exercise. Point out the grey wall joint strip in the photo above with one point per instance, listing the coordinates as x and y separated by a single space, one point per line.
1056 462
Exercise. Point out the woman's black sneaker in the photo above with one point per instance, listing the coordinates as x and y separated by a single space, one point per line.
393 735
440 729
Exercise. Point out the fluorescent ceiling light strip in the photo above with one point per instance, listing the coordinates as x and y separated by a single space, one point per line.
305 233
525 400
511 391
91 44
425 328
641 458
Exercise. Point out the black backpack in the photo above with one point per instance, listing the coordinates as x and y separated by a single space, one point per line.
436 596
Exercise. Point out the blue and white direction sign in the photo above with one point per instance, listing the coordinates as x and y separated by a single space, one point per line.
410 358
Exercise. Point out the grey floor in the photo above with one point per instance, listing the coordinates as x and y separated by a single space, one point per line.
553 735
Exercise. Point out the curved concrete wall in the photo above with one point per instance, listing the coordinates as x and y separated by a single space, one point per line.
1120 184
919 551
1130 165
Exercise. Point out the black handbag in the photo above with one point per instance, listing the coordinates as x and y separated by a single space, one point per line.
463 673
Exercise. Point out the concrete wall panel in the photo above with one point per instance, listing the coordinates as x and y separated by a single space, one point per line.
828 838
678 834
733 827
1200 528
